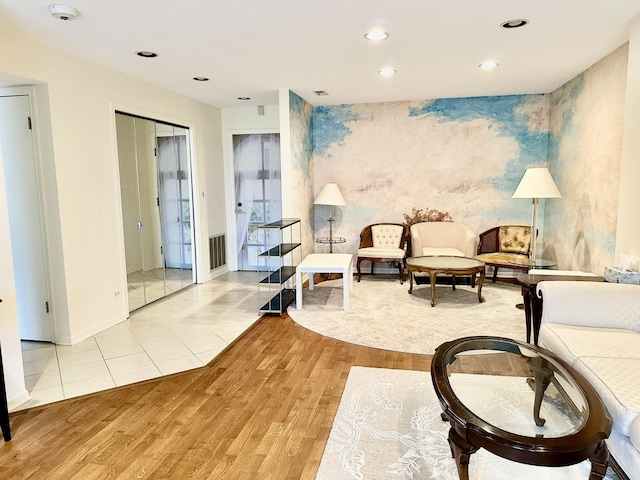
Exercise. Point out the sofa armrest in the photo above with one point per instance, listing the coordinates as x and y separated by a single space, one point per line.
467 242
593 304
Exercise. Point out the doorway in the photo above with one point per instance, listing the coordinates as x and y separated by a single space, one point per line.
26 221
155 188
256 160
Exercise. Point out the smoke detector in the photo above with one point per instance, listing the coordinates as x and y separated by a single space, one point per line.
63 12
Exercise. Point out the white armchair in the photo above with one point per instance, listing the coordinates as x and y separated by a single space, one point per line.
442 238
383 243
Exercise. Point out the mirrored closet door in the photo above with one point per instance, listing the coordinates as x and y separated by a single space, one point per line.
155 187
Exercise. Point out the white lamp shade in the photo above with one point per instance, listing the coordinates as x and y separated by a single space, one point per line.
330 195
537 183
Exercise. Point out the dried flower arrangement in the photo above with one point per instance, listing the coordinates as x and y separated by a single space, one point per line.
418 215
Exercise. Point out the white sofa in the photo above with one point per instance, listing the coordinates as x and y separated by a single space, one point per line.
595 327
442 238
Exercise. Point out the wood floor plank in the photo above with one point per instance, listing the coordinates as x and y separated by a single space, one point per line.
261 410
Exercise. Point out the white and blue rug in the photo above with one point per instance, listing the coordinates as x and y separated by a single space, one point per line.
388 426
382 314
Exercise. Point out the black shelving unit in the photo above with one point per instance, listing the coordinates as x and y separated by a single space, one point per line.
276 290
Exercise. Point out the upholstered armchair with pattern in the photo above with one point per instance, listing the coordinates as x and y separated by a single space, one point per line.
383 243
506 246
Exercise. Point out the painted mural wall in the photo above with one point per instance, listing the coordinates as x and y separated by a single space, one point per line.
300 114
585 150
464 156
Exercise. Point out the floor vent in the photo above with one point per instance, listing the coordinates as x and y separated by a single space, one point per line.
217 251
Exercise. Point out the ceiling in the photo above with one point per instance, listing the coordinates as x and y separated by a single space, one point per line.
251 48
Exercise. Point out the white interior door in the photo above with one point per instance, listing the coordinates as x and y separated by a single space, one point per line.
256 159
25 218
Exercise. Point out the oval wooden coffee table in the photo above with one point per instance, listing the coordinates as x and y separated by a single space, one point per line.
448 265
547 415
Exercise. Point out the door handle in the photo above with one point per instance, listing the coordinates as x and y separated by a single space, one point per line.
239 211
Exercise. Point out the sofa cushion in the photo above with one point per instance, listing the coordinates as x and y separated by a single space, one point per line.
615 380
572 341
595 304
373 252
502 258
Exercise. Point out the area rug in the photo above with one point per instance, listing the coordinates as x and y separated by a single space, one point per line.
382 314
388 426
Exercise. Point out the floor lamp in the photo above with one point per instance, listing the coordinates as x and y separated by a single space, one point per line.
536 183
330 195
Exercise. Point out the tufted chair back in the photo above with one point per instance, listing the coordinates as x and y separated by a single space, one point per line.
387 236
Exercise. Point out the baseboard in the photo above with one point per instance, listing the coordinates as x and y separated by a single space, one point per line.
17 400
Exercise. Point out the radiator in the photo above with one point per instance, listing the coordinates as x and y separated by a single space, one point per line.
217 251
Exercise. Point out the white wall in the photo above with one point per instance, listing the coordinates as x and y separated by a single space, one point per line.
628 231
241 121
79 151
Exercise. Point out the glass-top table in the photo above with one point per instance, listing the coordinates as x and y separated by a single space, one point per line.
519 402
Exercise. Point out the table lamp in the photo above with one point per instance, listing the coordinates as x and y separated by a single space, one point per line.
330 195
536 183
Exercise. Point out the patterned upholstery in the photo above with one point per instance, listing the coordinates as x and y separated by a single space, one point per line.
506 246
595 327
514 239
383 243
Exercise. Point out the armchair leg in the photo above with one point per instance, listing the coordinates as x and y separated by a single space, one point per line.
358 268
401 268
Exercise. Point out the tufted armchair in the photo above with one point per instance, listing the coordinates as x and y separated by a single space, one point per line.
383 243
500 246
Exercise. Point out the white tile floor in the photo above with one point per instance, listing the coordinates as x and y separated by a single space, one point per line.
179 333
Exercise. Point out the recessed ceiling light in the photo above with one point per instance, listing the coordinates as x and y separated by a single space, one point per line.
146 54
387 71
488 65
515 23
244 98
201 79
376 35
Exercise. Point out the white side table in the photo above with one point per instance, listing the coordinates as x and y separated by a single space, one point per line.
326 263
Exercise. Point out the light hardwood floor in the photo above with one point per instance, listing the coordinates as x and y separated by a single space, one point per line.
262 410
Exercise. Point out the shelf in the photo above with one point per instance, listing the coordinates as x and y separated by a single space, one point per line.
280 276
280 224
279 302
331 241
276 286
280 250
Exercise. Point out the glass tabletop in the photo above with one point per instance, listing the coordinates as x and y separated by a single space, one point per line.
493 385
538 263
444 261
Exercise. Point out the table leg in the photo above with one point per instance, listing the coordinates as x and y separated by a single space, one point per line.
345 291
541 379
526 299
461 452
298 290
410 281
480 283
310 280
536 316
432 277
599 462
